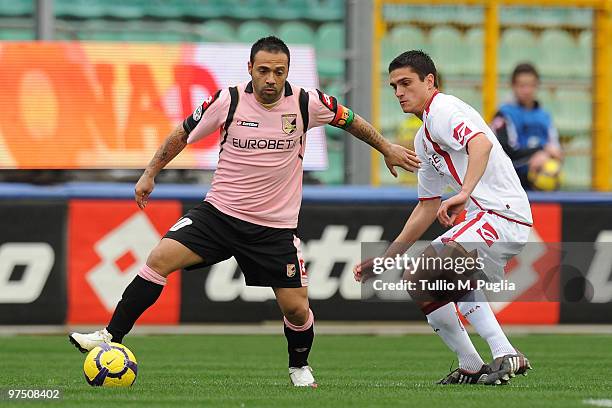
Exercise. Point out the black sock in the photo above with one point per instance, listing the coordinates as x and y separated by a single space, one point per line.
298 345
137 297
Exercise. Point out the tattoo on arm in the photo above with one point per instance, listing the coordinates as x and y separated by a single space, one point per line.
362 130
171 147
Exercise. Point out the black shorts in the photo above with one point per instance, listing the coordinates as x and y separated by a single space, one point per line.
267 256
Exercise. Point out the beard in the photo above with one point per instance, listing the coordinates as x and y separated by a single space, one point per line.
269 97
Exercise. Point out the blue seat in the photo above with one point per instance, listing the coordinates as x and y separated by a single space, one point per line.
78 8
330 46
164 9
246 9
285 9
216 31
16 7
206 9
17 34
325 10
294 32
516 45
391 114
123 9
448 50
583 67
398 40
251 31
558 53
474 58
574 114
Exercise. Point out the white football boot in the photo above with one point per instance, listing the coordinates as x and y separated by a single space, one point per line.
89 341
302 377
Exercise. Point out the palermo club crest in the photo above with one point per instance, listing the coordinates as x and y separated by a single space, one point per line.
289 123
290 270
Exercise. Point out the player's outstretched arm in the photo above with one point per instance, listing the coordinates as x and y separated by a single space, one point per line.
172 146
395 155
423 215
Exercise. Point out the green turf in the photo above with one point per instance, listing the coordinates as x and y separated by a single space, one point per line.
352 371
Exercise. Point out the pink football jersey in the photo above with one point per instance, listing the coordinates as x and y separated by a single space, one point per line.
259 174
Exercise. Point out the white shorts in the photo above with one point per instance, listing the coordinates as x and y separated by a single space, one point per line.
495 239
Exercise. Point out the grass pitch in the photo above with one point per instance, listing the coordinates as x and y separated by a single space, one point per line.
352 371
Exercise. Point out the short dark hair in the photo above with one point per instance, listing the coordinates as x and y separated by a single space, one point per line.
524 68
270 44
419 61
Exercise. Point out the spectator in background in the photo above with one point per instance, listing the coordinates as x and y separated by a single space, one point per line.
524 129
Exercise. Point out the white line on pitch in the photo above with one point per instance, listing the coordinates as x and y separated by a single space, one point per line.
598 402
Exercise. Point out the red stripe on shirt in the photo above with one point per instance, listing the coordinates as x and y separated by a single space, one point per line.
445 156
500 215
466 227
430 101
453 171
510 219
429 198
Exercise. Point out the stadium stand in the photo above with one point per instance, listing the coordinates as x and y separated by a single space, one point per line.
584 55
16 8
325 10
296 33
448 49
78 8
329 44
245 9
399 39
16 32
390 113
216 30
574 111
558 52
249 31
469 94
285 9
474 56
558 41
516 45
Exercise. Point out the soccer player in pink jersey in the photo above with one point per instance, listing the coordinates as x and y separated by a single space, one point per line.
459 151
251 210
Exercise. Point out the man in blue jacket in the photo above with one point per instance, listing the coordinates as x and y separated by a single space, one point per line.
524 129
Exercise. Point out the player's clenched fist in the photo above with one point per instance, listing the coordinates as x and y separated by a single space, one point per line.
144 187
364 271
451 208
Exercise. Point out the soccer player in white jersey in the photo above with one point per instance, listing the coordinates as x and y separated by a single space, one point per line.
251 210
458 150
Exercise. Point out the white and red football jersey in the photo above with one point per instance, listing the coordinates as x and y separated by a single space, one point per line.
442 145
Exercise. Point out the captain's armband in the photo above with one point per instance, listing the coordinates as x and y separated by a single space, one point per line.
344 117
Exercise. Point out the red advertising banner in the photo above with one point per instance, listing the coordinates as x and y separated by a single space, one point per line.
74 105
108 242
536 270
